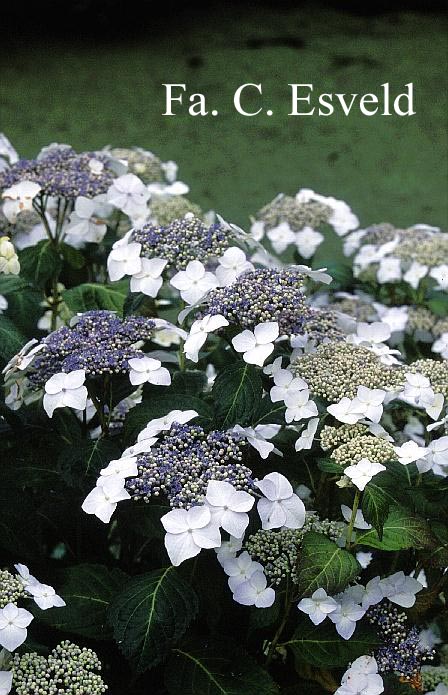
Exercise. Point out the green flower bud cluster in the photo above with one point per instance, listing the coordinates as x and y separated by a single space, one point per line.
365 446
435 370
68 670
331 437
432 676
440 326
278 551
420 319
285 208
428 249
337 369
11 588
143 164
378 234
165 210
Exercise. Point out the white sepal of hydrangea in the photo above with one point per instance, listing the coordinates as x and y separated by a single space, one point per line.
148 370
362 678
318 275
417 387
45 596
360 523
232 264
149 279
124 259
440 274
187 532
24 575
258 344
240 569
65 390
129 194
121 468
162 424
362 472
13 624
440 346
373 593
285 383
19 198
103 499
342 219
437 459
347 410
401 589
255 592
415 273
281 237
346 616
299 406
23 358
229 507
257 230
305 441
280 506
409 452
228 550
389 270
318 606
5 682
199 332
308 241
257 437
370 402
83 225
194 282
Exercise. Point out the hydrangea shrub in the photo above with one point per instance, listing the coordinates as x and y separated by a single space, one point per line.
230 462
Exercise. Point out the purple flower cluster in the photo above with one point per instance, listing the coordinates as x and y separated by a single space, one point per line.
263 295
62 173
183 240
100 342
181 465
401 652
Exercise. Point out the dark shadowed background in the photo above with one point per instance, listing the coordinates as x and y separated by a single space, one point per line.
90 74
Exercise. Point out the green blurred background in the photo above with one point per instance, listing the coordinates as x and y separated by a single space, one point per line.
91 88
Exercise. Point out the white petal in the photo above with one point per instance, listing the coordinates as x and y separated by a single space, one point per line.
266 332
180 547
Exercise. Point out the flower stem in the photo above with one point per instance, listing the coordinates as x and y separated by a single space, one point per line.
352 518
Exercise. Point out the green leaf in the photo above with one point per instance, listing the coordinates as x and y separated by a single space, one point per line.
73 257
401 530
376 502
191 382
24 307
11 283
88 591
214 668
160 406
40 263
267 412
151 614
323 564
321 646
329 466
75 463
237 391
11 340
92 296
